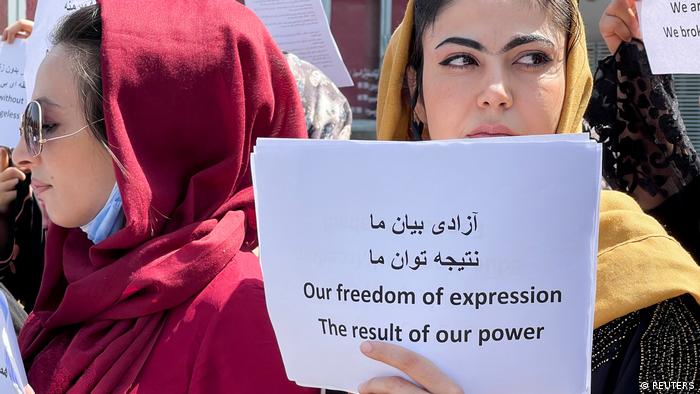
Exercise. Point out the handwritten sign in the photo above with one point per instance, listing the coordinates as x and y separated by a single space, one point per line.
48 14
13 379
671 31
13 97
301 27
479 255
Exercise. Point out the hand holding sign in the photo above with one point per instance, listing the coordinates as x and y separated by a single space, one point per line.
420 369
20 29
619 23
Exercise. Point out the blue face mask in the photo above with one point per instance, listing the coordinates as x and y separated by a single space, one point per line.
108 221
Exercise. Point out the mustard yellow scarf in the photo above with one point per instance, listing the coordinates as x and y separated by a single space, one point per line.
639 264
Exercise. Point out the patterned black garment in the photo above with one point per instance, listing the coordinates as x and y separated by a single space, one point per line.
647 154
646 151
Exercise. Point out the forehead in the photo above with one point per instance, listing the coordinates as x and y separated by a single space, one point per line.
492 22
55 77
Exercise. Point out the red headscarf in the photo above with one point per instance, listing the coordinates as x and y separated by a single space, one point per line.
174 300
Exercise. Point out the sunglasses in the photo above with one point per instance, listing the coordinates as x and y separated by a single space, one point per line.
31 129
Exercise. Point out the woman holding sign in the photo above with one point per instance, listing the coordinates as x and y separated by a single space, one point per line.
484 68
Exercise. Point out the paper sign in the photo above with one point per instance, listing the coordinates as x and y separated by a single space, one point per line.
479 255
671 31
48 14
13 379
301 27
13 96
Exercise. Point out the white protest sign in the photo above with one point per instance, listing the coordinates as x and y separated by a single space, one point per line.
13 97
13 379
671 31
479 255
301 27
48 14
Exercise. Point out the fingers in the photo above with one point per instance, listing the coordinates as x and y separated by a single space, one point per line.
21 28
6 199
417 367
27 26
618 29
12 173
4 158
8 185
9 35
390 385
607 30
619 23
627 14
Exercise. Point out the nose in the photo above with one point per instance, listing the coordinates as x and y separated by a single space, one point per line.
496 93
21 157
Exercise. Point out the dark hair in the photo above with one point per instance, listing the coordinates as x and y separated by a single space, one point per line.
562 13
80 33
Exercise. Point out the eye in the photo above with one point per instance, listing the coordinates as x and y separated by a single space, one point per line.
534 59
460 61
48 128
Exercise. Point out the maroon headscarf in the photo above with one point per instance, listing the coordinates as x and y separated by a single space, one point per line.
188 87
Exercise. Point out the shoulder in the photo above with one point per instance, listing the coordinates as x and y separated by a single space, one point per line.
660 343
238 350
670 346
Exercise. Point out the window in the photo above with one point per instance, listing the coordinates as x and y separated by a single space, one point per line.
362 29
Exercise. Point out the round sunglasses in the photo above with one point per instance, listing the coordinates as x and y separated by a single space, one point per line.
31 129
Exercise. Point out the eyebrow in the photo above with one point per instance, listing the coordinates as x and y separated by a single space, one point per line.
47 102
465 42
513 43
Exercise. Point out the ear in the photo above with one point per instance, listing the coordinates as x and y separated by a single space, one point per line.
419 111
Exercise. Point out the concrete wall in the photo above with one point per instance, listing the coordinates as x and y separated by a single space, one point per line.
591 11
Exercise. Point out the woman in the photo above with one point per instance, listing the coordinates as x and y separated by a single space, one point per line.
476 68
139 150
327 113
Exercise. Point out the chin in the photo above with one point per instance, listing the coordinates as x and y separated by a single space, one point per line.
63 217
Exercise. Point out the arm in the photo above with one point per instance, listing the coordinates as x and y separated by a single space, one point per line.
635 115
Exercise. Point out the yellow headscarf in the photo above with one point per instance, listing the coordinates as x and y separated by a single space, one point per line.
639 264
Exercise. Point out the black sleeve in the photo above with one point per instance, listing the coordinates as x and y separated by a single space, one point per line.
646 150
635 115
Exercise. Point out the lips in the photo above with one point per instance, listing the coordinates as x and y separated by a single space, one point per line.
495 130
39 187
